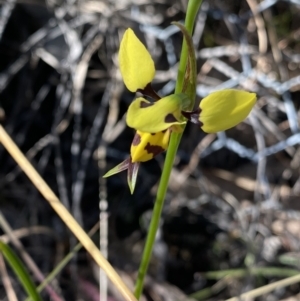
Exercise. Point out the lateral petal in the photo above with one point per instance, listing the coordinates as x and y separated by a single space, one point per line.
222 110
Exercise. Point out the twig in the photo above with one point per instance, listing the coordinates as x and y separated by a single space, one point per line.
103 220
10 293
23 232
267 288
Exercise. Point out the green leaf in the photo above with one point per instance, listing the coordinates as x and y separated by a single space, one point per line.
20 270
190 76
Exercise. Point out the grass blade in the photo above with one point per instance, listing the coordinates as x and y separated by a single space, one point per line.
20 270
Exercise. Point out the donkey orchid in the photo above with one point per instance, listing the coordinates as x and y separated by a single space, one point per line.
137 69
154 120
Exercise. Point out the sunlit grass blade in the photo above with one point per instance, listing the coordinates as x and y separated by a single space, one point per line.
63 213
20 271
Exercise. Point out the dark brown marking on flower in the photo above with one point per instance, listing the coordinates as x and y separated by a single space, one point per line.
193 116
145 104
153 149
153 134
170 118
136 139
148 91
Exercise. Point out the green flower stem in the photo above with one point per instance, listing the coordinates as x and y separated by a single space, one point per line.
192 10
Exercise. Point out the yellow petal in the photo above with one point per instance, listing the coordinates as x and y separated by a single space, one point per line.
145 146
153 117
224 109
136 64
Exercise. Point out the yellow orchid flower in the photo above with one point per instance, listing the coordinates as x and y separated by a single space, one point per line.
154 120
137 69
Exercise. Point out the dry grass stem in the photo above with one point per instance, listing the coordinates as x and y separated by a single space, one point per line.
64 214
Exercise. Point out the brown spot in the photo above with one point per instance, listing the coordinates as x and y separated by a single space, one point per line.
136 139
170 118
145 104
153 149
153 134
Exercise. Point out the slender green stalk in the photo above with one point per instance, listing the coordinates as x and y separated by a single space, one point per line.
62 264
192 10
256 271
